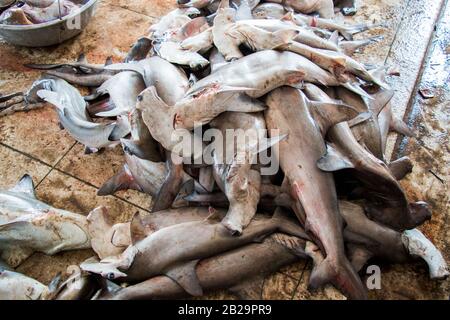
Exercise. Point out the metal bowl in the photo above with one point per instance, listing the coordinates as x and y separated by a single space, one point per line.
52 32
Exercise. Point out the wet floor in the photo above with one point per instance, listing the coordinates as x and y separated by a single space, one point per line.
33 143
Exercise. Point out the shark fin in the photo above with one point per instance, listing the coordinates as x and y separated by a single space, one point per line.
327 114
186 277
334 38
265 144
358 256
214 215
288 225
283 37
354 87
400 167
138 230
82 58
130 66
123 180
400 127
378 75
14 256
25 185
341 275
360 118
350 47
293 244
333 160
145 151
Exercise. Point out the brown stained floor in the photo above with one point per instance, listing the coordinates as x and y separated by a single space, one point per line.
33 143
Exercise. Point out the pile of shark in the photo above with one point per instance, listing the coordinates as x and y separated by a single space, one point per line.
283 69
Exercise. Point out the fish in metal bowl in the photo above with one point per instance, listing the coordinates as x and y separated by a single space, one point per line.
36 23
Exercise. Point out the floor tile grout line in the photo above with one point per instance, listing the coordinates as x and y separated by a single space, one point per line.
396 32
413 98
300 280
134 11
25 154
96 187
66 173
57 162
287 275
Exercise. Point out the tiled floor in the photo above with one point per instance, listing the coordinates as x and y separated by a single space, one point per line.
33 142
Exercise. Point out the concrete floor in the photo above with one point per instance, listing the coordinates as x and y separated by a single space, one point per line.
33 143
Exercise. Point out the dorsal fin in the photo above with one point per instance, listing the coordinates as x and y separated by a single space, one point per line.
265 144
327 114
334 37
186 276
224 4
25 185
137 229
82 58
382 98
289 16
108 61
333 160
214 215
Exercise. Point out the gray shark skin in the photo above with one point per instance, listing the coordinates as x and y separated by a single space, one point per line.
180 247
28 225
344 152
313 189
259 72
241 271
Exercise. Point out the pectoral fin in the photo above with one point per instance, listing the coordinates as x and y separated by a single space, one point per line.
400 167
353 87
282 37
333 160
360 118
334 38
265 144
25 185
295 245
123 180
327 114
14 256
186 277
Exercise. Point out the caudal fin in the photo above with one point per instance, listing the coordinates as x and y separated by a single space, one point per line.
400 127
341 275
350 47
351 30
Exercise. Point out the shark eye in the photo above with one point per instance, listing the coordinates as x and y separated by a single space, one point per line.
140 98
110 276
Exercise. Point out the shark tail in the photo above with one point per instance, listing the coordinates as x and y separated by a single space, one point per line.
341 275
